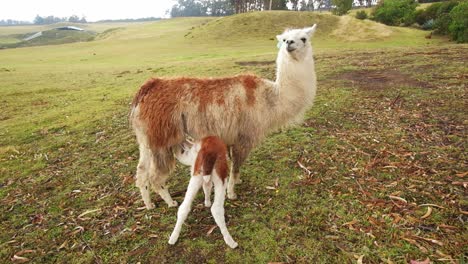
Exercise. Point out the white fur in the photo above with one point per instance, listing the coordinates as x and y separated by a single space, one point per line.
196 181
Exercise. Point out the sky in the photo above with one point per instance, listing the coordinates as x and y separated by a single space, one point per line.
93 10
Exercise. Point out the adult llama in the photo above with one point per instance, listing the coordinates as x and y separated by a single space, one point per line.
241 110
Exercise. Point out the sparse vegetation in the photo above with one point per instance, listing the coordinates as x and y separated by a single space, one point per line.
361 14
377 173
342 7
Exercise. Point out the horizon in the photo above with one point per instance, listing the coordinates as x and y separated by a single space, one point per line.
92 10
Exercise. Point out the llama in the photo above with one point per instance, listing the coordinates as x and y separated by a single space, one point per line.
208 161
241 110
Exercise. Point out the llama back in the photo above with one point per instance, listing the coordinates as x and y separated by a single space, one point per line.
165 109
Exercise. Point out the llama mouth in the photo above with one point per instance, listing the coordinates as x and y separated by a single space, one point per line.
290 49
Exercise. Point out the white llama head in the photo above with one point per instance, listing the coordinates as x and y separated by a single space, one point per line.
296 42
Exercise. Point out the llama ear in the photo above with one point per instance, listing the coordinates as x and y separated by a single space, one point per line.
311 30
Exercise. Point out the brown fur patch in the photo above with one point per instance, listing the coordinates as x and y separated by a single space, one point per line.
158 100
212 155
209 91
250 85
161 100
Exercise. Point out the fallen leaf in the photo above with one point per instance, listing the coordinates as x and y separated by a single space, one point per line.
393 197
211 230
432 205
89 212
350 223
429 240
19 259
428 213
426 261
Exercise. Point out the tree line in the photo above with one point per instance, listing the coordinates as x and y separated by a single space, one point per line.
39 20
228 7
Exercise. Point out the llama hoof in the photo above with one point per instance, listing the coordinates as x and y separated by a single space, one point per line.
172 240
150 206
232 244
232 196
172 204
208 204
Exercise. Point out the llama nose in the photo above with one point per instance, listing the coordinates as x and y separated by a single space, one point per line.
289 42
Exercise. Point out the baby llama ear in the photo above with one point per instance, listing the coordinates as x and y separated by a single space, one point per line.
311 30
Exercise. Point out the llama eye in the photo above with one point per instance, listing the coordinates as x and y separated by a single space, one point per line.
284 40
303 40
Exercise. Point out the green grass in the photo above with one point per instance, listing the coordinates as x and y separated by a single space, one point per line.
389 119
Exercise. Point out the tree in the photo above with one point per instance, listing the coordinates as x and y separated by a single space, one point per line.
38 20
395 12
342 6
74 19
459 25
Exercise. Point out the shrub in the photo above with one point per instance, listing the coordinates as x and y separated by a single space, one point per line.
459 26
429 25
443 20
342 6
361 15
395 12
431 11
420 16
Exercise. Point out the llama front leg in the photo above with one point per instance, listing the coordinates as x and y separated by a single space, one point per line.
207 190
217 210
142 177
192 189
158 179
239 154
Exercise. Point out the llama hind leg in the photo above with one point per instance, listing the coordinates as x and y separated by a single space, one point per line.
207 190
142 176
184 209
161 165
217 210
238 156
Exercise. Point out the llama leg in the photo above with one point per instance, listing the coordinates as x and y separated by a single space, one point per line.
217 210
239 154
192 189
161 166
207 190
142 176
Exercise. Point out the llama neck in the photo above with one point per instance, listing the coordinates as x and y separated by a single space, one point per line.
295 84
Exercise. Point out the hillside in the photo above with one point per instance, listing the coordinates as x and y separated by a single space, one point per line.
266 25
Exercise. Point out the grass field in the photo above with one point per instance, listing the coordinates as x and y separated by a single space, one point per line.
376 173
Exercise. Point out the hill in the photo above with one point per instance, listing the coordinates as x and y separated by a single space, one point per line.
375 174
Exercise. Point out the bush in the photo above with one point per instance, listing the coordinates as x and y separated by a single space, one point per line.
420 16
342 7
429 25
443 20
459 26
431 11
395 12
361 15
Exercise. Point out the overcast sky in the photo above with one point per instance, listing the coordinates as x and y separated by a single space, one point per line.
93 10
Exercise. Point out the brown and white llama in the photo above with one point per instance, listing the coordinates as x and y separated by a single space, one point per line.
208 161
241 110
